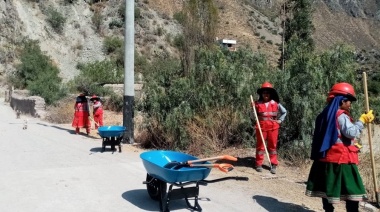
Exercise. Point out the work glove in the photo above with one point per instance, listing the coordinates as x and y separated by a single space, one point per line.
367 117
359 146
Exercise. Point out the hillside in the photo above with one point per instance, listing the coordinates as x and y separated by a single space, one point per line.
255 23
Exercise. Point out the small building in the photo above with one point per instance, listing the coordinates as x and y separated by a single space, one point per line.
226 43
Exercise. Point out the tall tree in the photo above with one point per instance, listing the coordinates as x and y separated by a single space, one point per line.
298 28
199 28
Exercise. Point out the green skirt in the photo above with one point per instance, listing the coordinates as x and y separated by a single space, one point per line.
335 182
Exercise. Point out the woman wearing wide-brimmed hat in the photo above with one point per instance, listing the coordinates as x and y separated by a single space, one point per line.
97 111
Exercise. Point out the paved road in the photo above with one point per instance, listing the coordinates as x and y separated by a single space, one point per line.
48 168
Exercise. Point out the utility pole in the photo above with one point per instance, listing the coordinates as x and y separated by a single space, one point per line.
283 36
129 74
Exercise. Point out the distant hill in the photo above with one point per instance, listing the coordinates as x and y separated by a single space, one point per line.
253 23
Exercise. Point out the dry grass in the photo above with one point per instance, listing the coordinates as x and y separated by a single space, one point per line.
208 137
63 113
365 169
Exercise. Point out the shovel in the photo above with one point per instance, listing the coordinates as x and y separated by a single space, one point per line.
94 121
370 141
224 167
178 165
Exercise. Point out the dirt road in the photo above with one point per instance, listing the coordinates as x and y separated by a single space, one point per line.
48 168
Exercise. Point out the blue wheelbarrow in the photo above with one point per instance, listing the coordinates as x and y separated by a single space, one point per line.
112 136
174 168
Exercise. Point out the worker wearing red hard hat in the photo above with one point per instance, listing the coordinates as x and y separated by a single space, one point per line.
334 175
97 111
270 114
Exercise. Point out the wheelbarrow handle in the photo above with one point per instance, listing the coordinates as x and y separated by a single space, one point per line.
222 157
226 178
178 165
224 167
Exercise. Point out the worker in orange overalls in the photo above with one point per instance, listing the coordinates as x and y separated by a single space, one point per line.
270 114
81 114
97 111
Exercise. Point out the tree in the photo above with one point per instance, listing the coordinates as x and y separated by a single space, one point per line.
199 28
298 28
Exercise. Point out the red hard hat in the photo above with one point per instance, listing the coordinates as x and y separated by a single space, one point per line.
269 87
344 89
266 85
94 97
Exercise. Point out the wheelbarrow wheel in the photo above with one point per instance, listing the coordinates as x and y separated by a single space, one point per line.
156 187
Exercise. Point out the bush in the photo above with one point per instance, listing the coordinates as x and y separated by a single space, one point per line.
179 41
183 109
56 20
180 17
114 102
93 75
115 24
111 44
37 73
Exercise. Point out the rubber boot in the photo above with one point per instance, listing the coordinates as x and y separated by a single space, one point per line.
352 206
273 170
328 207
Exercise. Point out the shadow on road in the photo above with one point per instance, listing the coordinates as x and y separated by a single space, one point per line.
71 131
61 128
244 162
272 204
96 149
140 198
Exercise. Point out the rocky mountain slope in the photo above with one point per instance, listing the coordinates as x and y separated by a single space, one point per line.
254 23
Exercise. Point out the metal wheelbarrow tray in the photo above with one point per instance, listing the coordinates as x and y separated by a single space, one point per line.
112 136
186 179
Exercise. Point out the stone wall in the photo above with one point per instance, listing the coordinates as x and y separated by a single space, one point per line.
28 105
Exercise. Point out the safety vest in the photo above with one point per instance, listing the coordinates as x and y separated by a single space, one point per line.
343 151
267 115
81 107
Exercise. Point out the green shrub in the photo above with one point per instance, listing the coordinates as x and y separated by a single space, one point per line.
111 44
37 73
115 102
179 41
56 20
115 24
94 75
180 17
177 104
